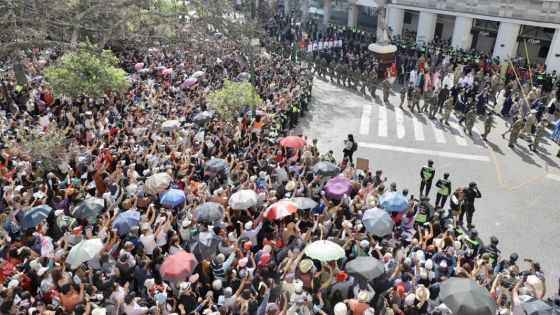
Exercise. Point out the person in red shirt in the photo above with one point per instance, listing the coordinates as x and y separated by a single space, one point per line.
6 270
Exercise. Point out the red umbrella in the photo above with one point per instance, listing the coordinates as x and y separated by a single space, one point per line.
293 142
280 209
178 266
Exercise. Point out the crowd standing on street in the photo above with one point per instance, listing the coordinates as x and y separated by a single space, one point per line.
434 78
204 216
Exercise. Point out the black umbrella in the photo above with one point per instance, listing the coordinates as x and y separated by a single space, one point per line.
325 169
209 212
466 297
88 208
202 118
535 306
216 166
204 245
366 267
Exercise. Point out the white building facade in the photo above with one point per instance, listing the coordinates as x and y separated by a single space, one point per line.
505 28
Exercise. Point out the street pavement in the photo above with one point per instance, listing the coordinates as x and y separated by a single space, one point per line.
520 189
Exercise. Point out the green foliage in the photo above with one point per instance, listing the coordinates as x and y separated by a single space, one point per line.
45 148
86 72
232 98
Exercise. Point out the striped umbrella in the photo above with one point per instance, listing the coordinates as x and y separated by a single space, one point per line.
280 209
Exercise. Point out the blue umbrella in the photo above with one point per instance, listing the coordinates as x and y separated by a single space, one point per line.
125 221
393 201
34 216
172 197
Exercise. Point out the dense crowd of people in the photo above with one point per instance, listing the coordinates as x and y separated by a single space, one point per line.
144 216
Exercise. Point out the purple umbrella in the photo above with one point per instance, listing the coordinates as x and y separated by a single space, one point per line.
190 82
337 187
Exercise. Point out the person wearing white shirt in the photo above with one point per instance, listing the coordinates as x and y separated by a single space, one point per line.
413 77
448 80
320 46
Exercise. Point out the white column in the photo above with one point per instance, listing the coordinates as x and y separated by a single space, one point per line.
326 12
352 14
426 27
553 61
304 10
462 37
395 20
506 41
287 6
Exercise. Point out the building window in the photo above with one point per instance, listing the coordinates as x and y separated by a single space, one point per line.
407 17
543 52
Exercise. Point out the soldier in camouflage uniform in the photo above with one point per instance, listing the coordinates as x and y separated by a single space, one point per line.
372 82
316 67
364 79
541 130
416 100
338 70
447 109
427 98
433 104
356 77
488 123
386 89
344 73
515 130
332 66
323 66
470 120
309 61
403 95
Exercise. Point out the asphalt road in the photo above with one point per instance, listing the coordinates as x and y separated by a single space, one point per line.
520 189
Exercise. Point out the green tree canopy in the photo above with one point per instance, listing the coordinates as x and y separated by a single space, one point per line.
85 72
232 98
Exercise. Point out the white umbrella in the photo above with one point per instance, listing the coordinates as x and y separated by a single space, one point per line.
84 251
157 183
243 199
323 250
304 202
170 125
197 74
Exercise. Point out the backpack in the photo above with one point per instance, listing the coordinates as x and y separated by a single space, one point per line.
354 146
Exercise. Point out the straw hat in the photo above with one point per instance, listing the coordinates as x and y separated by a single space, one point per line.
422 293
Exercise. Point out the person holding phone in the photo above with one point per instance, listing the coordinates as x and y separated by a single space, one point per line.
471 193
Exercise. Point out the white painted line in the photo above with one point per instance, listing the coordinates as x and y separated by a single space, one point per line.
426 152
553 177
400 122
382 128
455 131
418 131
440 137
366 120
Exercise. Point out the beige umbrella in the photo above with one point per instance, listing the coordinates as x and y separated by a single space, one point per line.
157 183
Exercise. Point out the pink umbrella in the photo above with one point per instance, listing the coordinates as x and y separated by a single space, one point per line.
167 71
337 187
178 266
139 66
190 82
280 209
293 142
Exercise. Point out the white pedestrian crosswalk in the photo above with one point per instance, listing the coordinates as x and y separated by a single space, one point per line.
387 122
399 116
418 129
382 130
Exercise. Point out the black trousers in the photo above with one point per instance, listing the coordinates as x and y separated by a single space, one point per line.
469 211
427 185
349 154
442 198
